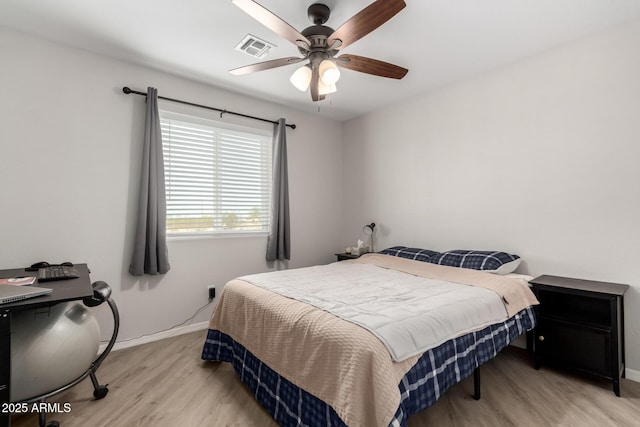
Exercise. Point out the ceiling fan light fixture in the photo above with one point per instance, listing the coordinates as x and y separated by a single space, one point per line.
324 89
329 72
301 78
319 44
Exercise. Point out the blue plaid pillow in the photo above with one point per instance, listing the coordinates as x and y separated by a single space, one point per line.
490 261
410 253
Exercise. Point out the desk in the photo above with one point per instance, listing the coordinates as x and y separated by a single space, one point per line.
63 291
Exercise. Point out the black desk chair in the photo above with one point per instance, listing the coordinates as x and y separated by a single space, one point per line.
101 293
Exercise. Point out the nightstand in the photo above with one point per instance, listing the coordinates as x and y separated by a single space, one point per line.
344 256
581 326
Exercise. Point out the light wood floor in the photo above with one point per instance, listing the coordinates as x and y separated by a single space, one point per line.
166 384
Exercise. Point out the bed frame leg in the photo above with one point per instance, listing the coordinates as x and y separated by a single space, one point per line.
476 383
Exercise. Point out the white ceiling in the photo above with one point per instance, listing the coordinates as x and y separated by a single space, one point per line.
439 41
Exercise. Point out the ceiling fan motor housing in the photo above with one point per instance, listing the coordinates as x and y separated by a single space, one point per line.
318 33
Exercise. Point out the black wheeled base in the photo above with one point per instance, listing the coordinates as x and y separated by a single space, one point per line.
101 293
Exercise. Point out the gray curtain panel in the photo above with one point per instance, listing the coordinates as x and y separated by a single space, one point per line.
150 253
279 240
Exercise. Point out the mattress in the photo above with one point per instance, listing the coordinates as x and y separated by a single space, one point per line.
280 345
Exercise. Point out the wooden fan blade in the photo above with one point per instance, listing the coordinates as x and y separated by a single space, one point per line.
365 21
371 66
266 65
272 22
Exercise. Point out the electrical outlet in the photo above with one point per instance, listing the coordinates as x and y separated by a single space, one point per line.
212 292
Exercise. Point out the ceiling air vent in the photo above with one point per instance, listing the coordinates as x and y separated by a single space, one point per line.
251 45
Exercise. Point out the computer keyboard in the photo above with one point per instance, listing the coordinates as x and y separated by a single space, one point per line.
55 272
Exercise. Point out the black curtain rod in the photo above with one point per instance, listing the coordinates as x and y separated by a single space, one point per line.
128 91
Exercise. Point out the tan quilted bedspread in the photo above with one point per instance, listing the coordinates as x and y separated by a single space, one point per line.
337 361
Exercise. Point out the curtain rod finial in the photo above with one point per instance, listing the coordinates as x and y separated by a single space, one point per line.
126 90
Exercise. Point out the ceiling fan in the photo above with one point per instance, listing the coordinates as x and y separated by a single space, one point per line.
320 44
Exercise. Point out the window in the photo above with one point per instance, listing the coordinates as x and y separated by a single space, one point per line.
217 176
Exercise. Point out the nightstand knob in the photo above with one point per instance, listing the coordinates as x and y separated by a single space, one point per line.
541 338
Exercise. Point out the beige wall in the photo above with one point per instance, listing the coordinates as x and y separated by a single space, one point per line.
70 144
539 158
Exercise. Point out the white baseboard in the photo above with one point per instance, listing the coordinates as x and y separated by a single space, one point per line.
157 336
632 375
629 374
520 342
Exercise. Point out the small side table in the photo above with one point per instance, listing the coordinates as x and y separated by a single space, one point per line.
581 326
63 291
345 256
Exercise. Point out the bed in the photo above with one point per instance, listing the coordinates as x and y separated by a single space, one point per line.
371 341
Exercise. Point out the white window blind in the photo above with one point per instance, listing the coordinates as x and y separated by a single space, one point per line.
217 176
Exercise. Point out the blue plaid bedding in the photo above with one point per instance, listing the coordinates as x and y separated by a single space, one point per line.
476 260
410 253
436 371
